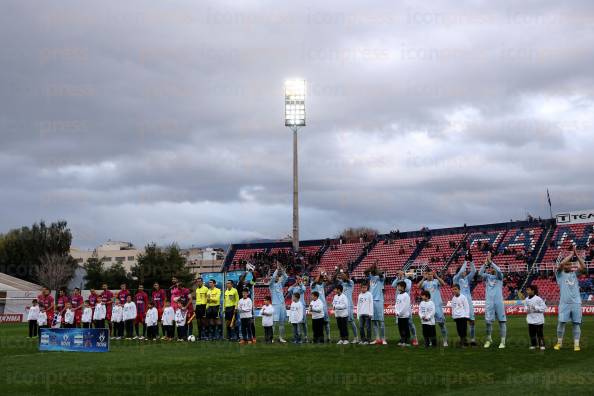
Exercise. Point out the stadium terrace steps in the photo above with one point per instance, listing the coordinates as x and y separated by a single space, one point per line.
564 237
438 251
547 289
366 250
416 253
454 257
553 248
544 241
338 255
518 248
390 256
243 254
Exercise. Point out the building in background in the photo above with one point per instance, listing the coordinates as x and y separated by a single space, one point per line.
110 253
201 260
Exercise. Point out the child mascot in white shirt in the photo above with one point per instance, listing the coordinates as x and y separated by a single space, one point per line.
535 310
460 314
403 311
296 317
245 307
365 313
427 315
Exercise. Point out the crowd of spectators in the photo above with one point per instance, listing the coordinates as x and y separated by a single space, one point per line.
265 262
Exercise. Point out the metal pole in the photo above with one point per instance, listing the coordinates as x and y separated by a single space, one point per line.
295 193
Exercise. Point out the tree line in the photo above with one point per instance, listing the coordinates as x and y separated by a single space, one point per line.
41 254
156 264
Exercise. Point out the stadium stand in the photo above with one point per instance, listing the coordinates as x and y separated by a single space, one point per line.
390 256
515 246
438 251
518 247
264 258
338 255
565 235
241 256
478 244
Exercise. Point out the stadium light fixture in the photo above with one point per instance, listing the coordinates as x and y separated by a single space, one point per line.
295 103
295 119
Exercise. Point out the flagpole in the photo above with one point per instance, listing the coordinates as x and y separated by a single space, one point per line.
550 205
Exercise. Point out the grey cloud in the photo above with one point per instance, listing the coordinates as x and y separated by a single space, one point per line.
152 121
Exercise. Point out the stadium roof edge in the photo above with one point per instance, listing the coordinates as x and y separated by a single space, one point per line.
405 234
8 282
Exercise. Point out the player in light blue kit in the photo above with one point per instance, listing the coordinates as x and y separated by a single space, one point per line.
464 279
400 277
319 285
343 279
376 287
494 306
432 283
277 282
301 288
570 301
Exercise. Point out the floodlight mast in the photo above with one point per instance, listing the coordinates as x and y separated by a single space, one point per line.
294 119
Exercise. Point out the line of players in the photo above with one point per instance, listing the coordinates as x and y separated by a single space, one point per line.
370 305
122 312
126 311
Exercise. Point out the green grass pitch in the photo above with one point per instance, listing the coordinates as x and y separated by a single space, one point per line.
223 368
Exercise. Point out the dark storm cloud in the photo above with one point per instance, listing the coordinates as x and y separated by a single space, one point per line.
157 121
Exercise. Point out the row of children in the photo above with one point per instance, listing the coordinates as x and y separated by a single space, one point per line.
460 312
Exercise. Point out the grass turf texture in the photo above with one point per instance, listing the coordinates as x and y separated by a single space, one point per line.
224 368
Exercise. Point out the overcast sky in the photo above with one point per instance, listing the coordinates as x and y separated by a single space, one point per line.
162 120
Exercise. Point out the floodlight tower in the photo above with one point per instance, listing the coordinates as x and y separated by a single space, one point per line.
294 119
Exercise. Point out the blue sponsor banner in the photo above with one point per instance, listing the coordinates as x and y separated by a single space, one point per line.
74 340
219 278
235 275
